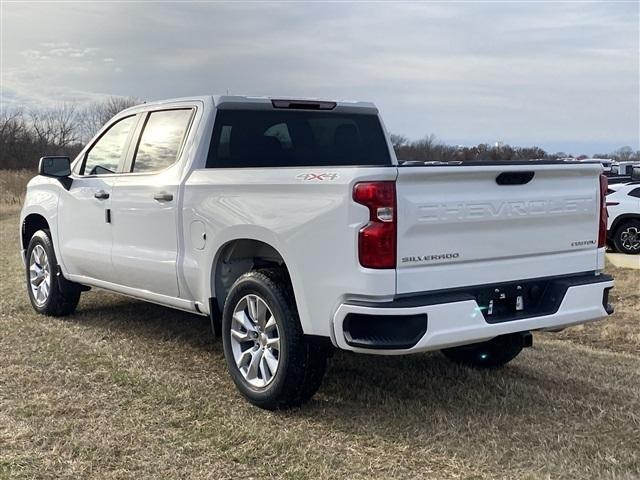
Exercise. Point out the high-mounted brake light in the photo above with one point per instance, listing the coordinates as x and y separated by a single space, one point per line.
303 104
377 239
602 232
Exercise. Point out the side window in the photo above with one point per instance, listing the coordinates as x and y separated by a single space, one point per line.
161 140
635 192
106 153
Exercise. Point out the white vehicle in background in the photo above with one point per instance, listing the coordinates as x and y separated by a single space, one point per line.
607 163
294 219
624 168
623 204
624 172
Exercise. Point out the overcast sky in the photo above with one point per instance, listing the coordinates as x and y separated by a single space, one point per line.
564 76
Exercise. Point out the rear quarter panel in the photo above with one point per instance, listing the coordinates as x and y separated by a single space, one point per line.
313 223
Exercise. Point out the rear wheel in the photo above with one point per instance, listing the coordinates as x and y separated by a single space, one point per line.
626 239
491 354
270 360
49 292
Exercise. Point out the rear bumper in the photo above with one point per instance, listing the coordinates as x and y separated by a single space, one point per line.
433 322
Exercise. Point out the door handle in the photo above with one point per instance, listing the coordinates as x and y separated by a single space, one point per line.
163 197
101 195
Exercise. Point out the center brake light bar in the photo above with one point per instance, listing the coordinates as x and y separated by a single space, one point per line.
303 104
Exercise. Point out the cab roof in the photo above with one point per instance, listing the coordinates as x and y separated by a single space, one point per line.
243 102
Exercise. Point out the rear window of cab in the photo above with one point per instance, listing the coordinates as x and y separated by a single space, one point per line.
294 138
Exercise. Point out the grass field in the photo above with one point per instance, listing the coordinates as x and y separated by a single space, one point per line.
124 389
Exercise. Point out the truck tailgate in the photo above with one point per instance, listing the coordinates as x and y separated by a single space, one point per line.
482 224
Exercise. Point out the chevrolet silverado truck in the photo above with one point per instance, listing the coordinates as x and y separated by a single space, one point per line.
292 225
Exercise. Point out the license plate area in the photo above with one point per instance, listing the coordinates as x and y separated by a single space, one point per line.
539 297
517 300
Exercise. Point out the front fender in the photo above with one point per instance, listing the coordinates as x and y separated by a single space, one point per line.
42 199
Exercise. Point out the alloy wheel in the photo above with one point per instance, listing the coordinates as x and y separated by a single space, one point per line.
630 238
255 341
39 275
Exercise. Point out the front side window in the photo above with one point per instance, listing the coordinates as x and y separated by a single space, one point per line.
294 138
635 192
161 140
109 150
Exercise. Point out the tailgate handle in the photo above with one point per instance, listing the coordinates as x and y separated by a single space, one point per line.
514 178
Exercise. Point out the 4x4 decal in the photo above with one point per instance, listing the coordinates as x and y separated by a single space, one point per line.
318 177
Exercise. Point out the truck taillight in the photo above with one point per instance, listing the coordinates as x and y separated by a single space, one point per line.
377 239
602 232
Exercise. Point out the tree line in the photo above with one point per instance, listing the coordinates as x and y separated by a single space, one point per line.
430 148
26 135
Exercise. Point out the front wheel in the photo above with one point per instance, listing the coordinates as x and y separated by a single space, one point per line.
626 238
270 360
494 353
49 293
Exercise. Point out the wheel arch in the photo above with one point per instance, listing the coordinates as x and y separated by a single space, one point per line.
238 256
30 225
620 219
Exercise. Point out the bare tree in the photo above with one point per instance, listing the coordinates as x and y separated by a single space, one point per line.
430 149
398 141
25 137
96 114
624 153
531 153
14 138
426 149
427 145
61 130
56 126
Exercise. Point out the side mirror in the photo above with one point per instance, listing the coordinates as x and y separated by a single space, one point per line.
58 167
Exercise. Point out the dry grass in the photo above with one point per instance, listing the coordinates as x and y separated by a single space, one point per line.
13 184
125 389
621 333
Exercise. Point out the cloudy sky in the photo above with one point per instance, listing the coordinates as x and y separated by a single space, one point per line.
564 76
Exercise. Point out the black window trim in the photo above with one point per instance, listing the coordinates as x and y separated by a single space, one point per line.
134 145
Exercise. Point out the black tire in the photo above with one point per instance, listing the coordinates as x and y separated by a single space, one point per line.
302 362
494 353
63 296
626 238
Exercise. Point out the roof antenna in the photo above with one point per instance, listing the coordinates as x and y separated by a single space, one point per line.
227 91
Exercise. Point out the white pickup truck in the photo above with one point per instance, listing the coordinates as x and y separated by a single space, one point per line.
295 220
